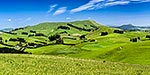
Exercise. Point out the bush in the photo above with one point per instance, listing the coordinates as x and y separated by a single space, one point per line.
1 38
118 31
134 40
32 31
59 41
82 37
30 35
104 33
17 39
91 40
24 33
148 36
18 29
53 37
21 39
63 27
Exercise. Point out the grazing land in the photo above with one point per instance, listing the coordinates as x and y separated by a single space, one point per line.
16 64
80 47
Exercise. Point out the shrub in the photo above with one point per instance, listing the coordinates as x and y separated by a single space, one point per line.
53 37
30 35
17 39
134 40
148 36
59 41
91 40
118 31
104 33
32 31
82 37
24 33
63 27
1 38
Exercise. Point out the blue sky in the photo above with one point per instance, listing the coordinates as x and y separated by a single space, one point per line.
19 13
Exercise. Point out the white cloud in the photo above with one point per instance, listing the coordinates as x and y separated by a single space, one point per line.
89 18
68 18
97 4
9 20
86 6
60 11
117 3
52 8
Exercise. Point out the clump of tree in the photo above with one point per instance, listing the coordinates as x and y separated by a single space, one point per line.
17 39
11 50
118 31
92 40
104 33
82 37
24 33
133 39
148 36
32 31
30 35
56 37
1 40
63 27
18 29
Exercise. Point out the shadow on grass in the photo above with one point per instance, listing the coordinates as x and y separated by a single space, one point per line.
11 50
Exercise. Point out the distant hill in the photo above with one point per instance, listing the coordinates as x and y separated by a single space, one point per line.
132 27
6 29
50 28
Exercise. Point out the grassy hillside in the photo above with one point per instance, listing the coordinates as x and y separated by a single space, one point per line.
112 47
16 64
49 28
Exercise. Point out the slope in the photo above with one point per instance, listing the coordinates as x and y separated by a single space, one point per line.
54 65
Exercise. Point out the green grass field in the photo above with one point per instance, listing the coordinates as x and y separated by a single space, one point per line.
16 64
77 56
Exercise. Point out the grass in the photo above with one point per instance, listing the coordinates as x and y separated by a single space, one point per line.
16 64
104 48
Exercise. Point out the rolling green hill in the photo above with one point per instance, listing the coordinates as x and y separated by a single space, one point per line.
115 47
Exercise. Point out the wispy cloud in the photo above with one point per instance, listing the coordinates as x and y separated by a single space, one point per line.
86 6
68 18
52 8
60 11
97 4
9 20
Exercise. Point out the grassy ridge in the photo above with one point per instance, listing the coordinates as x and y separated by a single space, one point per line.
15 64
